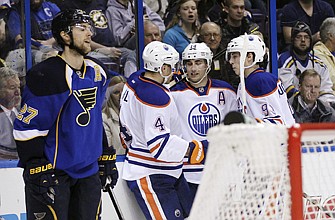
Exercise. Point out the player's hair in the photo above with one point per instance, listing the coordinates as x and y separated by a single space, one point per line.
327 27
308 72
64 20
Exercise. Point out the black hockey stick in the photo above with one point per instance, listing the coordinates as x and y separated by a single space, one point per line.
117 208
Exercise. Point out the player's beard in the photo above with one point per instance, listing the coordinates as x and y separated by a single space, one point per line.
81 50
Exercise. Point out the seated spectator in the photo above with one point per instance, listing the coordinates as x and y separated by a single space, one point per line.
17 62
111 111
10 99
324 48
121 20
210 33
311 12
42 13
103 47
293 62
151 33
184 26
306 104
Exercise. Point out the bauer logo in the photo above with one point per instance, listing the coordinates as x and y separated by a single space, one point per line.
202 117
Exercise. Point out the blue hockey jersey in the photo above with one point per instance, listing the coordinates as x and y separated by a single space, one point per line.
61 114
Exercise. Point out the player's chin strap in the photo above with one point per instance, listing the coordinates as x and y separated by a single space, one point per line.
196 83
166 78
253 63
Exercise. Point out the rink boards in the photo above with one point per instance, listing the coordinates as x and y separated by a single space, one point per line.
12 204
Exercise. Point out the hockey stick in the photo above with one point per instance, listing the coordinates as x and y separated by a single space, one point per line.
242 83
323 209
117 208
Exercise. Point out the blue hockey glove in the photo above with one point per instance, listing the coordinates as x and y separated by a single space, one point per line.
197 153
40 180
107 167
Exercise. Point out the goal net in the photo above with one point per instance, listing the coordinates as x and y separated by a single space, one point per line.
266 171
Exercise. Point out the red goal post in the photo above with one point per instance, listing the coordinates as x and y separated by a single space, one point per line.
268 172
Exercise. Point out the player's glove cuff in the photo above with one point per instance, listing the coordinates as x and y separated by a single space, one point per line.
197 153
40 180
107 167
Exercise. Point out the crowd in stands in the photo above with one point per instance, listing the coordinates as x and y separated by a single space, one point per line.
306 39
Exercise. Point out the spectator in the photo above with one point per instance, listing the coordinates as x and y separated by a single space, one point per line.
42 13
293 62
103 47
201 103
121 20
306 104
211 34
60 129
151 33
10 99
16 61
111 111
311 12
236 23
184 26
324 48
261 96
150 129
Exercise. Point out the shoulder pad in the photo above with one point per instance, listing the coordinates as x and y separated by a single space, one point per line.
47 77
221 84
261 84
149 92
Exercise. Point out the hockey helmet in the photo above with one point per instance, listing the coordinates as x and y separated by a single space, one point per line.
66 19
254 45
197 51
156 53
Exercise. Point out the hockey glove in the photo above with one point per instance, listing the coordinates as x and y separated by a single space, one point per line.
197 152
40 180
107 167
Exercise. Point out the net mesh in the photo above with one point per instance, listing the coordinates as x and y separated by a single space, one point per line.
318 163
246 174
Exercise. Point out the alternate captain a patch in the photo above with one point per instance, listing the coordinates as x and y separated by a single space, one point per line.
203 116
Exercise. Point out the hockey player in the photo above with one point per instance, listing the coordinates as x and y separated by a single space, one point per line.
201 102
59 131
265 97
150 129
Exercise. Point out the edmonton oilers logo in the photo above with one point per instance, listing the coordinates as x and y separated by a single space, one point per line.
202 117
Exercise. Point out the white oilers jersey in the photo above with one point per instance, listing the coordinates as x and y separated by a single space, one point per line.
200 109
290 69
265 99
150 129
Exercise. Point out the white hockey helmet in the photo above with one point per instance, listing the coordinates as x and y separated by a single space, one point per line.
156 54
197 51
254 44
